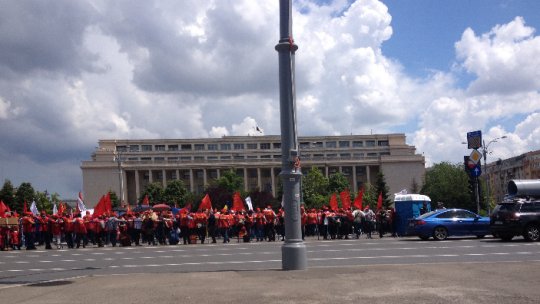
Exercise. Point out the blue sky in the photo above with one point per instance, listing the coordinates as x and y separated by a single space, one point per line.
75 72
425 31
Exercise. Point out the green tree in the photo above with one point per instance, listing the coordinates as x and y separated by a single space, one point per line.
7 194
230 181
414 186
337 182
381 187
175 192
315 188
115 200
369 198
448 183
25 193
154 192
261 199
43 203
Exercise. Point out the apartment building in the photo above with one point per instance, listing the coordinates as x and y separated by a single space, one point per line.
128 166
499 173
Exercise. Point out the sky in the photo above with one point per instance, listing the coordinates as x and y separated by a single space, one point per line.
75 72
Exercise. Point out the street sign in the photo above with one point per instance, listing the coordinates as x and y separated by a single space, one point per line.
474 139
475 156
476 171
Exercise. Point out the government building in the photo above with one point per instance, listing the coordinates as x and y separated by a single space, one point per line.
128 166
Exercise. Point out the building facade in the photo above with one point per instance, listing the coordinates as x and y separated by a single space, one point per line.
128 166
499 173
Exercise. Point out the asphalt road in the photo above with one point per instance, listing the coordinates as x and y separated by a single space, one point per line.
462 270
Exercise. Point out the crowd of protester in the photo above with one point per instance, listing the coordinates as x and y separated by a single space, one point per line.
186 227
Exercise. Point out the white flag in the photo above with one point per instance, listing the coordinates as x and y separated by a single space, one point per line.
80 204
249 204
34 209
55 209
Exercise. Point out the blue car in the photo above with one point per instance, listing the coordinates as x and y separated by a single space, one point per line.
443 223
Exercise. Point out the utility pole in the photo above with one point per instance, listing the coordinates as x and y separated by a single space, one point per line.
293 250
121 179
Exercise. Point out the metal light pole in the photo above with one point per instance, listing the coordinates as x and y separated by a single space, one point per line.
293 250
119 161
485 152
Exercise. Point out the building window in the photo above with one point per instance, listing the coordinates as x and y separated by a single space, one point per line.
344 144
121 148
383 143
185 158
187 147
277 156
133 159
266 156
276 145
252 156
160 147
173 148
239 157
198 158
345 155
225 146
330 144
199 147
212 158
159 159
385 153
318 156
135 148
225 157
358 155
146 158
318 144
304 145
252 146
331 156
239 146
212 147
172 158
370 143
372 154
265 146
357 144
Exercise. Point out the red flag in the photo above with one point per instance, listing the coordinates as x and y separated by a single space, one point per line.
128 209
99 209
25 208
345 199
108 203
186 209
379 201
3 209
146 201
238 205
333 202
206 203
358 200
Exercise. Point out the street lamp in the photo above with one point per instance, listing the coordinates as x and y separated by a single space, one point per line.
485 151
118 159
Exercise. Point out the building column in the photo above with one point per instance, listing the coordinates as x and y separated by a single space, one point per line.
137 185
218 173
191 181
367 174
245 180
164 180
259 182
177 174
273 182
205 178
355 182
150 177
326 171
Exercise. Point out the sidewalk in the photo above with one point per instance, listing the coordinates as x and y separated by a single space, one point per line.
426 283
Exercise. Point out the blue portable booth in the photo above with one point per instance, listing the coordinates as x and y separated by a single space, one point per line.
409 206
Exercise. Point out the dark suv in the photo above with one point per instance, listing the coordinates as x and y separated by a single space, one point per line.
516 217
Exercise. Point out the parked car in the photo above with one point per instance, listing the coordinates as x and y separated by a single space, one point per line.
443 223
517 217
